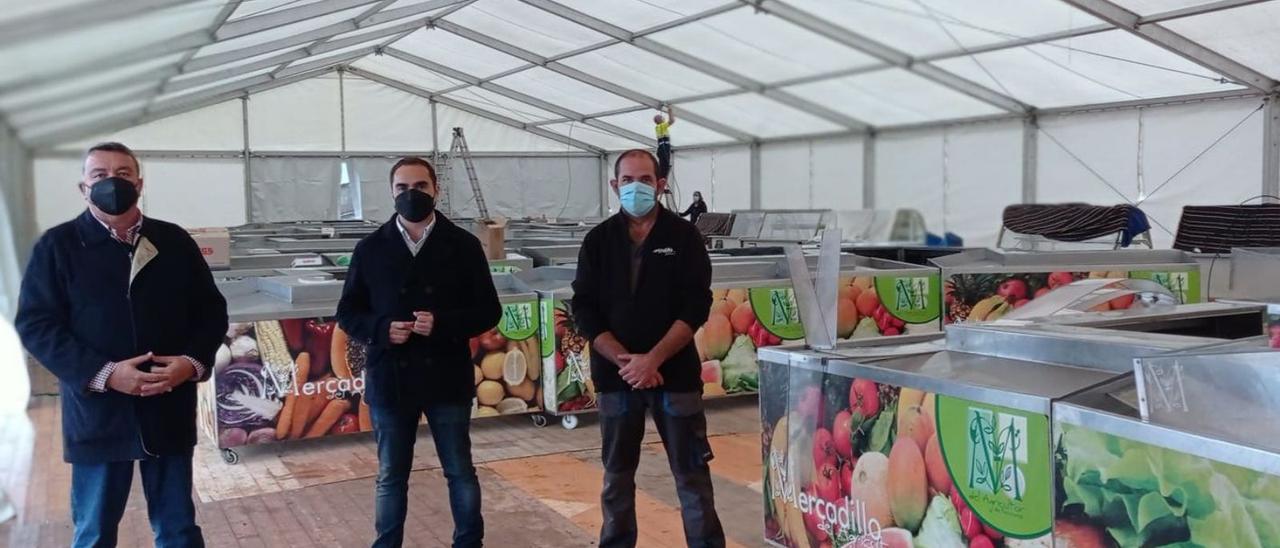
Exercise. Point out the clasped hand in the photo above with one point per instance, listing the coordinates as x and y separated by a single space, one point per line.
424 324
169 373
640 370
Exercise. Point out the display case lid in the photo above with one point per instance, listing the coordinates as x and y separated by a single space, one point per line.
547 279
983 259
1099 409
1087 347
1229 391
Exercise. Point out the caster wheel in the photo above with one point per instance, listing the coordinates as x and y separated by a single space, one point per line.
540 421
230 456
569 422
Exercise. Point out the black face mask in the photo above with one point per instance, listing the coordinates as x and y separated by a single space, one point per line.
114 195
415 205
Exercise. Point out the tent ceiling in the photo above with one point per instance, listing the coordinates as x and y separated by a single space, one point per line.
581 71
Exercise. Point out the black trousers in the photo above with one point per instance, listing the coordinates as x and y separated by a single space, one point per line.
664 157
683 427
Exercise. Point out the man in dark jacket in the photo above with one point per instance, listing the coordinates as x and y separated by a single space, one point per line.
417 291
123 310
642 288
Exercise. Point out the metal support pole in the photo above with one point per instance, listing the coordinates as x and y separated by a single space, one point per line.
1030 155
342 109
435 136
869 172
755 175
1271 150
248 187
604 185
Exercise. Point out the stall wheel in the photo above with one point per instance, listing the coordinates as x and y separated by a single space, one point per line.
230 456
569 422
539 420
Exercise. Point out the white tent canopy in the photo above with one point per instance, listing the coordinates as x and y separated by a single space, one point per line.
954 107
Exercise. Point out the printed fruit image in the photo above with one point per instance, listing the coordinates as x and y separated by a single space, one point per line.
914 423
736 296
936 468
514 368
867 302
723 308
479 375
713 389
864 398
1059 279
493 340
524 390
486 411
846 476
492 365
866 329
1122 303
846 318
711 373
490 393
1013 289
871 487
809 406
908 484
908 397
1069 534
864 282
813 522
700 342
893 537
824 449
511 406
572 358
718 336
827 482
742 318
842 433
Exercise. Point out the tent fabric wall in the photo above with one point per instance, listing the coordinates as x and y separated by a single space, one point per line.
909 173
17 234
297 117
375 188
1097 159
216 127
983 167
565 187
195 192
376 117
812 174
723 174
294 189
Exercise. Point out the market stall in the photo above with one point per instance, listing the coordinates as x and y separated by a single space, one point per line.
286 371
926 444
984 285
1160 460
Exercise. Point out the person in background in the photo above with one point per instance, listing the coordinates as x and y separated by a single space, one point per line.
696 209
416 292
643 286
123 310
662 129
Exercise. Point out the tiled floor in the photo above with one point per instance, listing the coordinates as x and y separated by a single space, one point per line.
541 488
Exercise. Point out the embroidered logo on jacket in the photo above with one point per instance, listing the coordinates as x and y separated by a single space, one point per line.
667 251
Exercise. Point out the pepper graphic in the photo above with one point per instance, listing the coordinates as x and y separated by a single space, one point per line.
319 341
292 334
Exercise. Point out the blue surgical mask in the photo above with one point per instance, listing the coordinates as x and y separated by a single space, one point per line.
637 198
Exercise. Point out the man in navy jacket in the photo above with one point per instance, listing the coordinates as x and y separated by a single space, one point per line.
417 291
123 310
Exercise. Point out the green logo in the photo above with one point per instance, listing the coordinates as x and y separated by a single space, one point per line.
503 269
547 329
778 312
1185 285
997 453
999 461
912 299
518 321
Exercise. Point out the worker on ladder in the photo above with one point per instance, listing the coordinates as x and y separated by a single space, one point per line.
662 128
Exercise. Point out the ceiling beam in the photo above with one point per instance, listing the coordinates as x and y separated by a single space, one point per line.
312 36
227 11
888 55
44 100
276 19
521 97
158 110
79 16
408 88
174 86
145 52
698 64
1174 42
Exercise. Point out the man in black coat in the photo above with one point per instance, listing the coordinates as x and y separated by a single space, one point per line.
417 291
123 310
643 287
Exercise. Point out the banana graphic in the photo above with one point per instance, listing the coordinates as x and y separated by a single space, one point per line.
999 312
982 311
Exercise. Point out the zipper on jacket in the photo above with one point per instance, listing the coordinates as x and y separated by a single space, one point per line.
133 330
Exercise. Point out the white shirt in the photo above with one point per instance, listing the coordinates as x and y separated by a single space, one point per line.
415 247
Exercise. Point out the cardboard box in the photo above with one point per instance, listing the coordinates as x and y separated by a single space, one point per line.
493 237
215 245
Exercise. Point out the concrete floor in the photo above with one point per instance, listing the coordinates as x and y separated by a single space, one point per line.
541 488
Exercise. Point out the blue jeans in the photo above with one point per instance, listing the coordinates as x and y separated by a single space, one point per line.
99 493
682 425
396 430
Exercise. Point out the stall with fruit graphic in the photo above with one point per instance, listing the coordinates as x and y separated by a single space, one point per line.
984 285
1125 481
925 448
299 378
876 299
